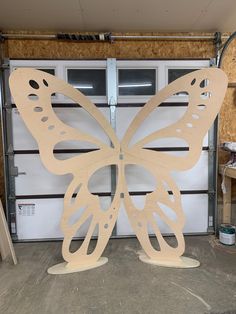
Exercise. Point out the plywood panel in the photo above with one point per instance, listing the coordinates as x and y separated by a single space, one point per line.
227 125
192 127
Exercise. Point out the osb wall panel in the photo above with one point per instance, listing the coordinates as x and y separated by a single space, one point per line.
227 130
227 125
50 49
119 49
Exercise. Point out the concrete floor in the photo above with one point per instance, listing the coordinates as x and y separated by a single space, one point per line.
123 285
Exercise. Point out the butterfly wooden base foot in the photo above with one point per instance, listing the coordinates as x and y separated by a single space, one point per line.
182 262
63 268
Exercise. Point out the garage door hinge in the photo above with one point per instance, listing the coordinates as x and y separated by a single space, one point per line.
14 171
4 66
11 198
212 194
10 150
212 149
7 105
112 101
213 62
14 237
210 229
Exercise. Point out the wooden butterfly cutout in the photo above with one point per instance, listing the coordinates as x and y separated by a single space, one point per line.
206 89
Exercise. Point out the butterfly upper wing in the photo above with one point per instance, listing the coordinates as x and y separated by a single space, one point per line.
204 105
192 127
46 127
48 130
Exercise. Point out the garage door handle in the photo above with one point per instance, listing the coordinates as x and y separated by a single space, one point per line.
21 173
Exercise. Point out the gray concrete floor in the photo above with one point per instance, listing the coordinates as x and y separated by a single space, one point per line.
123 285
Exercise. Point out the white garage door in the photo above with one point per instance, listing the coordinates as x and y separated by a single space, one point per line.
126 86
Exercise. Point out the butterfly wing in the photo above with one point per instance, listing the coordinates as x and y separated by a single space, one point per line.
32 90
166 195
102 221
204 104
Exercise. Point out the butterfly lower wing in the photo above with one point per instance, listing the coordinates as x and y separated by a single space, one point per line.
93 216
166 194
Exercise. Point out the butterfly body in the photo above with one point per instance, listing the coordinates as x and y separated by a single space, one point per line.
49 130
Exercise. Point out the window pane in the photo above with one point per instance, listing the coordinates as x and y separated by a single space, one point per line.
174 74
49 71
89 82
137 82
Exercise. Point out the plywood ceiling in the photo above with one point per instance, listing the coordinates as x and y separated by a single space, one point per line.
122 15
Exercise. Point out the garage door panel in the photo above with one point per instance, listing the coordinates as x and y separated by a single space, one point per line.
40 219
75 117
35 179
161 117
194 206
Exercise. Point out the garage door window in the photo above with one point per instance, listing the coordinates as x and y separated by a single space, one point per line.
137 82
89 82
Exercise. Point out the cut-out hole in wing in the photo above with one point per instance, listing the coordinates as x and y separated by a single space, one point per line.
33 84
93 243
206 95
168 142
182 93
75 194
167 210
76 216
139 178
154 241
75 245
139 203
80 119
105 204
62 156
100 180
160 118
163 226
33 97
81 146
